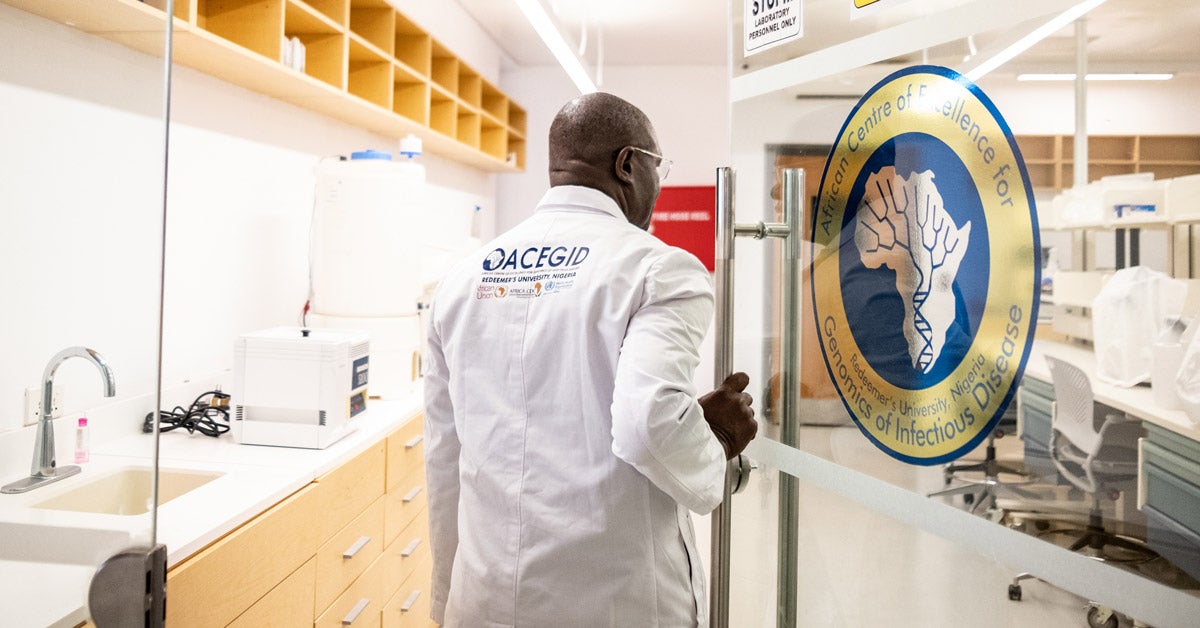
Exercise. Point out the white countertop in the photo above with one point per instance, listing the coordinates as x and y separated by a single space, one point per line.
1136 401
252 479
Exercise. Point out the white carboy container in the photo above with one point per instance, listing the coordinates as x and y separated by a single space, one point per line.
366 257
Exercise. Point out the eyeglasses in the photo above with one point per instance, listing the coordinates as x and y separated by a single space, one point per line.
664 164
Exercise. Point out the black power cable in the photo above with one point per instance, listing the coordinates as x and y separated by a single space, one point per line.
204 416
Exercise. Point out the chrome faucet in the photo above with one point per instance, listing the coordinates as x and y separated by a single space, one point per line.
44 470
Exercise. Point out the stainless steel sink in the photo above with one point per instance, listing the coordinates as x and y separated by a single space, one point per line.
128 491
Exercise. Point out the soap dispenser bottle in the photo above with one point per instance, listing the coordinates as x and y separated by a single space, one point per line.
82 449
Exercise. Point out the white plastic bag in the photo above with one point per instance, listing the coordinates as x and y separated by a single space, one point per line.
1128 315
1187 379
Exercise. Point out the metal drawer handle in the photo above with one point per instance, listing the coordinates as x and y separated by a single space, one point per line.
412 494
410 548
358 545
356 611
414 441
412 599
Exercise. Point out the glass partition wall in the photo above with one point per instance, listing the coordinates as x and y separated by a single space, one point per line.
862 539
82 179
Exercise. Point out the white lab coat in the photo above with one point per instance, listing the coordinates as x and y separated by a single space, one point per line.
565 445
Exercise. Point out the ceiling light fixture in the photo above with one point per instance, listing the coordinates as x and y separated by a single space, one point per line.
1097 77
1038 34
541 22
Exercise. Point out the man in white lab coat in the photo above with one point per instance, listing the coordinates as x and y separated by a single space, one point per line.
565 443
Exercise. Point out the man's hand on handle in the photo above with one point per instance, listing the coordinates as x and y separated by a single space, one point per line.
730 415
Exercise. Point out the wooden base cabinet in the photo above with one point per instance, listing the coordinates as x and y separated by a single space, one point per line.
409 607
288 605
350 549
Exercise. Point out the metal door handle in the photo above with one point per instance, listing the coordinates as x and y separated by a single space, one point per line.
742 466
410 548
737 471
414 441
411 495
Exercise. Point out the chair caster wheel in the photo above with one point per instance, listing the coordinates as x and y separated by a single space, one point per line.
1014 592
1100 617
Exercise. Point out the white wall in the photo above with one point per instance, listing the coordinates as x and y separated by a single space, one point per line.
1031 108
688 105
81 169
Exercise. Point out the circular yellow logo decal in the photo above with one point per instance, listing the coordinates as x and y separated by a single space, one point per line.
925 280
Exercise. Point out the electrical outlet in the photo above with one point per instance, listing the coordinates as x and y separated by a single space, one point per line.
33 405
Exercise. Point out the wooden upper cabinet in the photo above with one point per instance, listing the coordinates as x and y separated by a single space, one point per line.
365 64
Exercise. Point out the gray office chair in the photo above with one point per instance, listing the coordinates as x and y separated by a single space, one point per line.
980 494
1096 459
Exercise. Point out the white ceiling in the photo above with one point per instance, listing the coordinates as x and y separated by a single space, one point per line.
1124 35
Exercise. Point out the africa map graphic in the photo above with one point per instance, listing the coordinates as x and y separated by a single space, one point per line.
903 224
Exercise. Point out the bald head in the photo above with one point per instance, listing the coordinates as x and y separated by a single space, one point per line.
590 142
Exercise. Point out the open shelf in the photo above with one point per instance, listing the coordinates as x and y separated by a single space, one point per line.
470 86
516 152
413 47
410 95
493 138
324 42
366 64
370 75
256 25
516 118
336 10
1102 148
1050 158
495 103
444 69
182 8
443 114
375 22
1168 149
1038 147
468 127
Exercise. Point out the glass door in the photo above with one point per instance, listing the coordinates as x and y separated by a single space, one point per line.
82 169
911 469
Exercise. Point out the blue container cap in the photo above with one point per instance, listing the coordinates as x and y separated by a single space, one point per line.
371 154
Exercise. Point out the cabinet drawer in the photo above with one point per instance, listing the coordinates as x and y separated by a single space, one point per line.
244 564
405 451
289 604
1038 387
403 504
347 491
410 605
359 606
400 559
1034 401
342 558
1172 486
1036 426
1173 442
